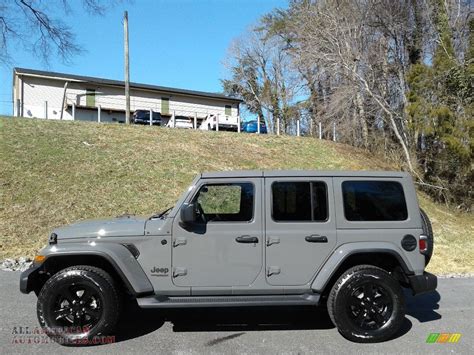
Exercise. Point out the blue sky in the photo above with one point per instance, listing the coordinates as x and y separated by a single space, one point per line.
177 43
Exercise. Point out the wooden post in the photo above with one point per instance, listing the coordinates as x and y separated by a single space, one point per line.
173 117
298 127
99 112
73 111
46 109
238 124
195 120
18 107
334 131
258 124
278 126
63 103
151 117
320 131
127 68
217 122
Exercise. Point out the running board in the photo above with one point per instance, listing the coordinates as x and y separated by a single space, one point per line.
227 301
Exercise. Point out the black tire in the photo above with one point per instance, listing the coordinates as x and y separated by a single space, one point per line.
428 231
366 317
72 317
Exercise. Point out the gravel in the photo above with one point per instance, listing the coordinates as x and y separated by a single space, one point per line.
20 264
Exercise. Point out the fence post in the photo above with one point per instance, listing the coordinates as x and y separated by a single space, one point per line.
99 112
195 120
151 117
73 111
320 131
298 127
258 124
238 123
174 119
46 109
217 122
278 126
334 131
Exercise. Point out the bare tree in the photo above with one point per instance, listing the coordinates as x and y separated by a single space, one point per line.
37 26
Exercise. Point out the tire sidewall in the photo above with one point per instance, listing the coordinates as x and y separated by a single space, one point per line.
345 323
47 298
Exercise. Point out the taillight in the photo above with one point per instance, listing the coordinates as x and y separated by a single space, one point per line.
423 244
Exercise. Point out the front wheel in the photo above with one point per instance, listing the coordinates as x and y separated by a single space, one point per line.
366 304
78 304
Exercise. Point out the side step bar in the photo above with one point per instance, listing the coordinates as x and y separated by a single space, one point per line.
227 301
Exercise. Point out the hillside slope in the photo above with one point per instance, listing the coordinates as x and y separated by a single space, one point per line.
53 173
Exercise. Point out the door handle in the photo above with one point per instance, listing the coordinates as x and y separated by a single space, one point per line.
316 238
246 239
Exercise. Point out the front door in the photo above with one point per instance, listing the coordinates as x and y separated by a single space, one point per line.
224 247
300 228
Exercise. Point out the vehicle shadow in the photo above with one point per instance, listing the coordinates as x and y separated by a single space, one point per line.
422 307
136 322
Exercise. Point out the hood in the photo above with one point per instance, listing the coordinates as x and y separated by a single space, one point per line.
115 227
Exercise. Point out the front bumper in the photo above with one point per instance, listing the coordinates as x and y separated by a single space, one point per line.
423 283
29 279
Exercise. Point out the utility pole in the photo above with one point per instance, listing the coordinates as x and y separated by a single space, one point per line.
127 69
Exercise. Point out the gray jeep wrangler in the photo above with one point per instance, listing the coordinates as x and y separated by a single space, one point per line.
350 240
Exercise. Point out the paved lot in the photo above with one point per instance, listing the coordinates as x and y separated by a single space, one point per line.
250 330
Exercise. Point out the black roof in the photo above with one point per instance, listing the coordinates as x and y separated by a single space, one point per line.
122 83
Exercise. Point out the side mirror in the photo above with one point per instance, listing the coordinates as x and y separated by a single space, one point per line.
188 213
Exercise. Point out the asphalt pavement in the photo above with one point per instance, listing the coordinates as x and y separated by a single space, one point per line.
273 330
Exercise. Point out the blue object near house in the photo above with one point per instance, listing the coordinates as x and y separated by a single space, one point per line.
251 127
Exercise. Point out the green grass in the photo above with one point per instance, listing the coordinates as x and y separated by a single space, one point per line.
53 173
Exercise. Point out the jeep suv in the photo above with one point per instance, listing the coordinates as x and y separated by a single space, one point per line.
348 240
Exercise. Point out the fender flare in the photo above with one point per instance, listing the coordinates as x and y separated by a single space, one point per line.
346 250
117 255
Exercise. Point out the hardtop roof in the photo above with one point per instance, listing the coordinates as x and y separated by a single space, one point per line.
302 173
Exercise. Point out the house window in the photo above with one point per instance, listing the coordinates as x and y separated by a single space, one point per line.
90 97
228 110
165 106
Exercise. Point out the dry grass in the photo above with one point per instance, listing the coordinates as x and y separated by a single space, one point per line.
53 173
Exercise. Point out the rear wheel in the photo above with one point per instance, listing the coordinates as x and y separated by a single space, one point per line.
366 304
78 304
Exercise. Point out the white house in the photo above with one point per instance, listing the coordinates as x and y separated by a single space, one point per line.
50 95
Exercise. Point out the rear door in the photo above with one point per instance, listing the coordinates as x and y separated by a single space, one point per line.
300 228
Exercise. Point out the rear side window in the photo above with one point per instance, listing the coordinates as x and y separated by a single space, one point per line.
374 201
299 201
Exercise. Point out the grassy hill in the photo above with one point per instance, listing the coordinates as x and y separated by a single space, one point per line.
53 173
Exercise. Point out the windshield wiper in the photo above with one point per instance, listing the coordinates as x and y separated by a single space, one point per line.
161 214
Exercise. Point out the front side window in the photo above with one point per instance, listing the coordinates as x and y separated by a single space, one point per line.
299 201
374 201
226 202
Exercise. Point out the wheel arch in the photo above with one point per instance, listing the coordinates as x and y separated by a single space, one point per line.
347 256
115 259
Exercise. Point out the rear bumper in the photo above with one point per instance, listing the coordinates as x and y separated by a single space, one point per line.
29 279
423 283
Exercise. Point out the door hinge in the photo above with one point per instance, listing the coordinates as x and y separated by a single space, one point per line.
273 240
179 241
179 271
273 270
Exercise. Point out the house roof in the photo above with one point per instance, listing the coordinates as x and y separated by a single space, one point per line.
102 81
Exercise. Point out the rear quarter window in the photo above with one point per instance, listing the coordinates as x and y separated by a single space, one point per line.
374 201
